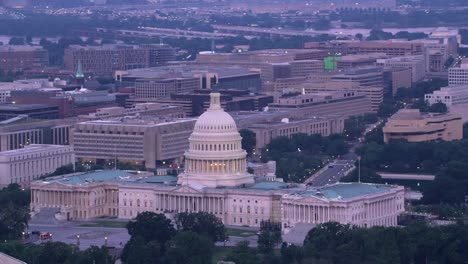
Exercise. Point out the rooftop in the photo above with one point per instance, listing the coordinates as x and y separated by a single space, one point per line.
178 71
345 190
22 107
17 48
117 176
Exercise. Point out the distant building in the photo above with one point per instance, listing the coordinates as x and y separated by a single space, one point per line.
454 97
31 162
18 58
269 130
365 47
69 103
458 75
36 111
142 141
414 126
140 109
337 103
194 104
396 78
106 59
20 131
162 81
415 63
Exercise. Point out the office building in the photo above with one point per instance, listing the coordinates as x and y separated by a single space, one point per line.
31 162
287 127
450 96
138 109
413 126
415 63
18 58
69 103
338 103
389 48
20 131
35 111
216 181
106 59
194 104
164 87
182 78
396 78
458 75
137 140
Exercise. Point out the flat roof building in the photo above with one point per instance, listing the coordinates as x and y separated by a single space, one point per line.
415 63
106 59
32 162
414 126
141 140
17 58
36 111
458 75
339 103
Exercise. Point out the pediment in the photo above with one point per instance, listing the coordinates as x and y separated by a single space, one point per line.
309 199
58 185
186 189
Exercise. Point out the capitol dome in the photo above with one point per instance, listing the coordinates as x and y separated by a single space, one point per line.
215 157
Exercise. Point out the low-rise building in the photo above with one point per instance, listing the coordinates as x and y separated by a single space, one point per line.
415 63
414 126
458 75
141 109
450 96
33 161
338 103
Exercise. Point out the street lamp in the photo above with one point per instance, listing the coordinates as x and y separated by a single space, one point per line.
22 233
105 241
78 240
359 169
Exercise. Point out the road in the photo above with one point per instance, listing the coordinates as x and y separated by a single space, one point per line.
337 169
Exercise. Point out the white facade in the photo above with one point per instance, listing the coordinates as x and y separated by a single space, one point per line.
33 161
458 76
215 181
215 157
451 95
415 63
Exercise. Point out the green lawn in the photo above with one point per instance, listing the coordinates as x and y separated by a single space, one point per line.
114 224
220 253
239 232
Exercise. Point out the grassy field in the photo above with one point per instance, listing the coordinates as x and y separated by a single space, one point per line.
114 224
239 232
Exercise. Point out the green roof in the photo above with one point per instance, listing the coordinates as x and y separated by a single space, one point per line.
159 179
269 185
346 190
95 176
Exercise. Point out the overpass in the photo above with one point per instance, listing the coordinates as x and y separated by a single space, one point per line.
402 176
150 32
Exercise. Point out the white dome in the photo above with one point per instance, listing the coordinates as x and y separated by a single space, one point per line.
215 121
215 157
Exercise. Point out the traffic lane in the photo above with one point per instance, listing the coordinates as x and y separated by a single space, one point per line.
88 236
330 175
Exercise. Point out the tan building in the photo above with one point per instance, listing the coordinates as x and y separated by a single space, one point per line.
414 126
141 109
267 131
18 132
31 162
338 103
136 140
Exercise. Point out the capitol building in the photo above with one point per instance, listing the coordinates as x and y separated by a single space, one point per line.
215 180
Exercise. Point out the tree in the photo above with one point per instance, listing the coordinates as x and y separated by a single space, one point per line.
270 236
189 247
55 252
243 254
248 140
202 223
151 226
465 130
291 254
438 108
16 41
14 211
94 254
139 251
